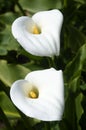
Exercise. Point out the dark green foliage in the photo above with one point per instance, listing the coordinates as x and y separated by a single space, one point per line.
15 63
7 5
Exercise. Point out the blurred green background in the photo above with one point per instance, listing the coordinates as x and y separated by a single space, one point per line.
15 63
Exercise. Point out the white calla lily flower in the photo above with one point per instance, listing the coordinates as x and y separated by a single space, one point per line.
40 95
39 35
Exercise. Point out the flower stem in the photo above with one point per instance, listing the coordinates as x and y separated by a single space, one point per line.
65 3
19 6
51 62
47 126
25 121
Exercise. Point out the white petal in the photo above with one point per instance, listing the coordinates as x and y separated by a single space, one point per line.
50 103
50 22
45 44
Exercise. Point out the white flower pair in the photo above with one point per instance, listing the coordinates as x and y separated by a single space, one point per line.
41 94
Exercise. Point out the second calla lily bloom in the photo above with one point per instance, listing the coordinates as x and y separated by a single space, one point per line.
39 35
40 95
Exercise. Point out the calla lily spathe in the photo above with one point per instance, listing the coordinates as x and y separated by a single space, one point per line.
39 35
40 95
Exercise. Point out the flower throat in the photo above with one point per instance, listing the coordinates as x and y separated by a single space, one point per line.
36 30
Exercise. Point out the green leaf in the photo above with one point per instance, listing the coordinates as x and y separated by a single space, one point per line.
3 51
7 106
83 88
72 75
70 116
8 18
75 38
38 5
81 1
75 85
74 68
11 72
5 120
83 117
7 41
79 110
